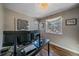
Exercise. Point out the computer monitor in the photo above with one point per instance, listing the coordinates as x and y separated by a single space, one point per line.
10 37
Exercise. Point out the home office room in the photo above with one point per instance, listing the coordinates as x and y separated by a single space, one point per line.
39 29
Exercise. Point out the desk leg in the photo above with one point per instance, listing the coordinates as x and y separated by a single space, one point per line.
48 49
15 43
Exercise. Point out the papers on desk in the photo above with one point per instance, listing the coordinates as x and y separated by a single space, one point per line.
28 48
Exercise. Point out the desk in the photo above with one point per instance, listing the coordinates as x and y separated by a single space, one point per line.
30 53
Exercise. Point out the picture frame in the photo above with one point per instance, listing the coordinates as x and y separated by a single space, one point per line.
54 25
21 24
72 21
42 24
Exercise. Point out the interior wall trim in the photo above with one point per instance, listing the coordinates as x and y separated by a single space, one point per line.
73 51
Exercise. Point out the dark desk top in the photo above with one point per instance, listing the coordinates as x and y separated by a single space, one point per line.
30 53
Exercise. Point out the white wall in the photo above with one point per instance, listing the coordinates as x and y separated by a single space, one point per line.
70 38
1 25
9 23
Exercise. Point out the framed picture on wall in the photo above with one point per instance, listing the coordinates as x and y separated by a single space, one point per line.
42 24
72 21
54 25
21 25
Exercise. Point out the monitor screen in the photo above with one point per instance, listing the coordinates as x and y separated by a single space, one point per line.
8 38
22 37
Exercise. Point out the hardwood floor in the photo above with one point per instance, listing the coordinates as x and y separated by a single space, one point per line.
62 52
58 51
44 52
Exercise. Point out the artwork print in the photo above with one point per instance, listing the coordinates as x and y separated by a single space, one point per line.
54 25
21 24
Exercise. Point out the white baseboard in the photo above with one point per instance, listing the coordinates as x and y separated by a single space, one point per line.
74 51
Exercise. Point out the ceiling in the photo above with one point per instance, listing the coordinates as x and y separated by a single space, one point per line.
33 9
